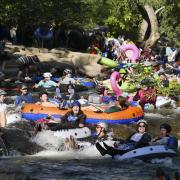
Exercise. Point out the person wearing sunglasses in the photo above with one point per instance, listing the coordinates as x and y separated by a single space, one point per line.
138 139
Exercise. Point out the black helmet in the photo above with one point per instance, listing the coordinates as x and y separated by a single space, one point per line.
166 126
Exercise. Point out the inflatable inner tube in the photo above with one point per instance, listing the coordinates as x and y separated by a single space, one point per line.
135 51
107 62
78 133
148 153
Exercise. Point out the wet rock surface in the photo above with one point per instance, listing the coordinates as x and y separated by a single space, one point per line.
17 137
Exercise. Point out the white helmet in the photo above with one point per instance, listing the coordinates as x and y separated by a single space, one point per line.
103 125
142 121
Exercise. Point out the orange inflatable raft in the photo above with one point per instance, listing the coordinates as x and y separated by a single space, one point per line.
132 114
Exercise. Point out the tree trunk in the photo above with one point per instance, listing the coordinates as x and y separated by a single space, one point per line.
154 36
143 29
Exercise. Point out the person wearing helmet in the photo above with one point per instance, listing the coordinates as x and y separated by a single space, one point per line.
3 108
165 138
74 118
101 131
46 82
138 139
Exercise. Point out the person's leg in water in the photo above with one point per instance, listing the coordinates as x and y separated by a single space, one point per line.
101 149
112 151
109 150
70 143
73 143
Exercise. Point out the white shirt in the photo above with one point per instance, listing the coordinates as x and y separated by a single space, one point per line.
68 80
136 137
3 107
83 101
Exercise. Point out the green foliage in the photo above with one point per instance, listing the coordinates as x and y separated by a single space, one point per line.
169 24
122 16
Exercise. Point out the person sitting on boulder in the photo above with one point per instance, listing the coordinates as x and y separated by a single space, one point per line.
3 108
25 97
67 79
27 64
165 138
46 83
136 140
44 100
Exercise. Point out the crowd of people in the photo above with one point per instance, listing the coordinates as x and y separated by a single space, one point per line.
162 66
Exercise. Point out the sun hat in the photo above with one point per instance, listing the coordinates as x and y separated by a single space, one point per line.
47 74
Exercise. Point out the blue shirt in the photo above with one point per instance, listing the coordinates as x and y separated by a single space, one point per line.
27 98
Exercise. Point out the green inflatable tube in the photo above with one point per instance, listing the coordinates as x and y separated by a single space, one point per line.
128 87
108 62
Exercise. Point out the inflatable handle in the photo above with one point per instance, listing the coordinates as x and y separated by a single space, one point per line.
115 76
134 49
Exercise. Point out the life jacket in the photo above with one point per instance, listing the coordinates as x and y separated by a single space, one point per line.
172 143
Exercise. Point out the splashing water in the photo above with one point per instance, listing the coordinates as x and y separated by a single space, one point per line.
55 147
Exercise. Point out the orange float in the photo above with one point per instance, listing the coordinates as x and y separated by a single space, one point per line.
131 114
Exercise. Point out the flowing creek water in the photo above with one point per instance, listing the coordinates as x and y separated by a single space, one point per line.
89 164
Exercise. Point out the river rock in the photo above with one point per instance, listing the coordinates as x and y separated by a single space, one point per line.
17 137
84 63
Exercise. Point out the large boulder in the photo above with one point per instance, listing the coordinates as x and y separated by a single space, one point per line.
83 63
17 137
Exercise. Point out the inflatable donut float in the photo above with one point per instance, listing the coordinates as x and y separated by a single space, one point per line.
131 51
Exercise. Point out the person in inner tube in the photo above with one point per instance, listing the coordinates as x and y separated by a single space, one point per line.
165 138
45 100
120 105
102 132
46 83
136 140
24 97
74 118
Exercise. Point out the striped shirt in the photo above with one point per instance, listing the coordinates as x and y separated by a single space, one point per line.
27 60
